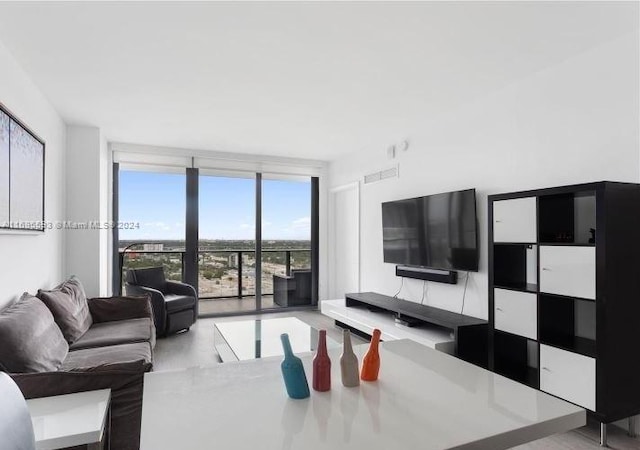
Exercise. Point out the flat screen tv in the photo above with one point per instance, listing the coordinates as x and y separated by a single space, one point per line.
437 231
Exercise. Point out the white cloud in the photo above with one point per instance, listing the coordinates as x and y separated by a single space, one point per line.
297 229
302 223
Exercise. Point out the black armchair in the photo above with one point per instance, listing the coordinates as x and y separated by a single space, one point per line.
174 304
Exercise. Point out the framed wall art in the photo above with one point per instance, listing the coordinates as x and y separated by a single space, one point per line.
21 175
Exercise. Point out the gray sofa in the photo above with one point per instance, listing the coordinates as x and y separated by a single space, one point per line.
61 342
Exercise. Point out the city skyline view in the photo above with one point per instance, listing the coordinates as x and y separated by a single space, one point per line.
156 201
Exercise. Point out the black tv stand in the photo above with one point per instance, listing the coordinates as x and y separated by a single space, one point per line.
469 333
407 321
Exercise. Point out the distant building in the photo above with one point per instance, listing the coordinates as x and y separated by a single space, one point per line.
153 247
233 260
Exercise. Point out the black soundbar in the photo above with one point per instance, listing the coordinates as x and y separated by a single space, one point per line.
422 273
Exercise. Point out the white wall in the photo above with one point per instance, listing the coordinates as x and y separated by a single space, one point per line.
30 262
87 203
105 213
574 122
344 240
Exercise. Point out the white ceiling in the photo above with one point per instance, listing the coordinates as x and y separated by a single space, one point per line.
311 80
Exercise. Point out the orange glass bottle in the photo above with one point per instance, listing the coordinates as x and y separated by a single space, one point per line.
371 361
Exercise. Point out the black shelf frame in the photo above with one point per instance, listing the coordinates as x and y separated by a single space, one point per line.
526 287
575 344
617 248
549 294
565 244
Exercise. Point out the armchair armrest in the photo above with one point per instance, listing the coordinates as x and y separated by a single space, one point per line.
157 304
109 309
181 289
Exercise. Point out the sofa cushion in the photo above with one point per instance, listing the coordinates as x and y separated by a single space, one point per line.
30 340
118 332
175 302
112 309
105 356
68 304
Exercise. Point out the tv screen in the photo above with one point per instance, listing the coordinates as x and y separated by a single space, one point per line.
437 231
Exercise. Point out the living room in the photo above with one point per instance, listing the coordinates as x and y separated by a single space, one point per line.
206 176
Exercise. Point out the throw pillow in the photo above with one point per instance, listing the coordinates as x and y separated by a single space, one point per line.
31 340
68 304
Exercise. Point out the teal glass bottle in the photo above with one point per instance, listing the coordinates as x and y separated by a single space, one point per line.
293 374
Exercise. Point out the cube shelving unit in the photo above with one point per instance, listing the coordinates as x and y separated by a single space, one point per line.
564 293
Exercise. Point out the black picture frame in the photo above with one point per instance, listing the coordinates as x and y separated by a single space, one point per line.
33 224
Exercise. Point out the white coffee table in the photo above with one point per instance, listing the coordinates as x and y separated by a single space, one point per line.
252 339
69 420
424 400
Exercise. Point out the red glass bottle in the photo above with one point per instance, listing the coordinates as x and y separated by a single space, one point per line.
322 365
371 361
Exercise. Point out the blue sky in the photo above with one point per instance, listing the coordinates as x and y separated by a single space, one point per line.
227 207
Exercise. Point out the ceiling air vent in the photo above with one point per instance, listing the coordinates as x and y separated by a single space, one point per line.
382 175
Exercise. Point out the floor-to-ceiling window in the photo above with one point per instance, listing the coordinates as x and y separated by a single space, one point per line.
226 259
152 220
286 240
236 217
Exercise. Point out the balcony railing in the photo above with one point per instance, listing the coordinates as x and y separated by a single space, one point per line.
222 273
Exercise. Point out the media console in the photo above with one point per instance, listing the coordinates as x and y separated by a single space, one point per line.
456 334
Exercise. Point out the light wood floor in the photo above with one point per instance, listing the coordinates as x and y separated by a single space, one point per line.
195 348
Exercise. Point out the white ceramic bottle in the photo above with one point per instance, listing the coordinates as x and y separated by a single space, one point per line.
348 362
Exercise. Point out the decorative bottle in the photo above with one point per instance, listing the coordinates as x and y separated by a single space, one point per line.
322 365
371 361
348 362
295 379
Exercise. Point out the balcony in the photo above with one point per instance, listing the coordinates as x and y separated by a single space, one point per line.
224 276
